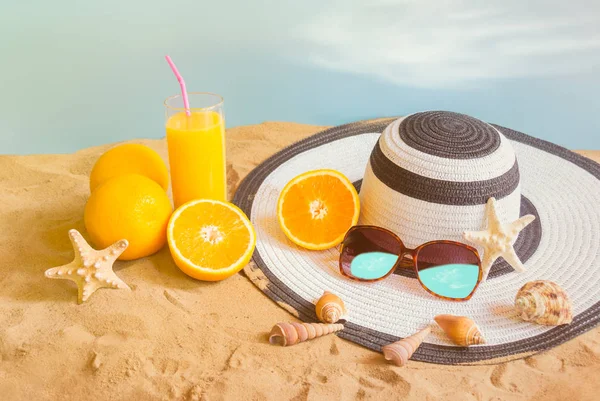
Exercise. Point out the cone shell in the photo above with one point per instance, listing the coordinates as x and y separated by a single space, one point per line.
460 329
401 351
330 308
288 334
544 302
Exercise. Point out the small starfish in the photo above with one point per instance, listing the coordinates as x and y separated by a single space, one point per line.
91 269
498 239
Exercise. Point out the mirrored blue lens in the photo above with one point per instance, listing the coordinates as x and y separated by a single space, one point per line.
372 265
369 253
452 281
448 270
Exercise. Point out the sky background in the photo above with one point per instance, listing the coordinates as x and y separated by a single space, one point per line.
74 74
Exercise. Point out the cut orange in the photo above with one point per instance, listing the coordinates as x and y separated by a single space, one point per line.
210 240
316 209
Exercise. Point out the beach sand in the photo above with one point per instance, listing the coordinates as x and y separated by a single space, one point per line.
175 338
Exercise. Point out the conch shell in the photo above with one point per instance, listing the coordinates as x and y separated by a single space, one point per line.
544 302
294 333
401 351
460 329
330 308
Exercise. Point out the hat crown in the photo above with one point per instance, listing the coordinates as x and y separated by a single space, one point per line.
449 135
439 168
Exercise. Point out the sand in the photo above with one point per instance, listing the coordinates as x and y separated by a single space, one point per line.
175 338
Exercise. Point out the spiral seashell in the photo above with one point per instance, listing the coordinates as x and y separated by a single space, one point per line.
401 351
293 333
460 329
544 302
330 308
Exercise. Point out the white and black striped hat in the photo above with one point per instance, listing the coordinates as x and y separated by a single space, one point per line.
427 177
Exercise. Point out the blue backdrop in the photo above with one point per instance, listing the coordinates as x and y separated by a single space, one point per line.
74 74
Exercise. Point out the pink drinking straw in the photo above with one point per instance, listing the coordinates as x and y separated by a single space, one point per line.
186 102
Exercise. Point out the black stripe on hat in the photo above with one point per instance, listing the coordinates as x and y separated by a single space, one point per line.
449 135
440 191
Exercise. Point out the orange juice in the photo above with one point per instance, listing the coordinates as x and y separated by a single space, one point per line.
197 156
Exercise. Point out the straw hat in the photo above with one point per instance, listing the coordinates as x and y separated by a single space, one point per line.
427 177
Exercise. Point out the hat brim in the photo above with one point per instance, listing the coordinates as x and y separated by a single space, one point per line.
562 185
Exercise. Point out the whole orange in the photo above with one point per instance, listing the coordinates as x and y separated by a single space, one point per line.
129 158
131 207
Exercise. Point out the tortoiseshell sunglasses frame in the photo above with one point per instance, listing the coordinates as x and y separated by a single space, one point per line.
414 254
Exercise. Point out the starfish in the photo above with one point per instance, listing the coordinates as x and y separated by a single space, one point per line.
498 239
91 269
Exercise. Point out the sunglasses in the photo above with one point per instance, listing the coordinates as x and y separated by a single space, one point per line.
446 269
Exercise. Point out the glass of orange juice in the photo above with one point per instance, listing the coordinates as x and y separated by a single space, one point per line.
196 141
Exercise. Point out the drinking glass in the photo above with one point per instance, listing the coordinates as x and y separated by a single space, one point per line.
196 142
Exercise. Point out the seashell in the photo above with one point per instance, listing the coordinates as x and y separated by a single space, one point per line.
401 351
294 333
460 329
544 302
330 308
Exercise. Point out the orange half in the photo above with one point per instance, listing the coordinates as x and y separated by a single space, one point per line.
210 240
316 208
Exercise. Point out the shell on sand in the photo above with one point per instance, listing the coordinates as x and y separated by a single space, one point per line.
544 302
330 308
293 333
401 351
460 329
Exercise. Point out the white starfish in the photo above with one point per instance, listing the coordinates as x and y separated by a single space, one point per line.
91 269
498 239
